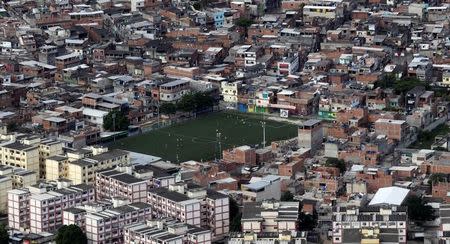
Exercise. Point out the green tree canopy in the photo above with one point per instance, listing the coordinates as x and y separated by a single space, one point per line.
338 163
195 101
287 196
418 210
168 108
115 121
70 234
4 236
244 22
438 177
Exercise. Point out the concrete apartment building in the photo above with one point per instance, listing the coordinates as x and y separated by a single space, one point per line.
80 166
268 238
48 148
259 189
393 129
14 178
114 183
75 216
5 186
270 217
40 209
20 154
380 224
192 205
166 231
310 135
107 226
173 91
19 209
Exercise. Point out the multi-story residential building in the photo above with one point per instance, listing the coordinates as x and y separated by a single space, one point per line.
323 9
288 65
412 98
383 224
270 217
107 226
48 148
75 216
20 154
40 209
5 186
19 209
166 231
114 183
94 116
46 208
310 135
230 91
259 189
81 168
192 205
268 238
20 177
393 129
174 90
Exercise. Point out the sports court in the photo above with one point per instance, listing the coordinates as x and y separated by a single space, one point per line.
198 139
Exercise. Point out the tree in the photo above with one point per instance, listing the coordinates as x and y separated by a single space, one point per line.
203 100
418 210
4 236
195 102
287 196
337 163
244 22
186 103
70 234
115 121
236 216
168 108
438 177
404 85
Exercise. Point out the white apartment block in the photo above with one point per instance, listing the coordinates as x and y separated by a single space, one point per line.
375 224
19 209
108 226
174 90
268 238
270 217
192 205
156 177
166 203
114 183
166 231
259 189
40 210
75 216
230 91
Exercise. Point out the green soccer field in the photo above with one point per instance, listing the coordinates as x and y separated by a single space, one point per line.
197 139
